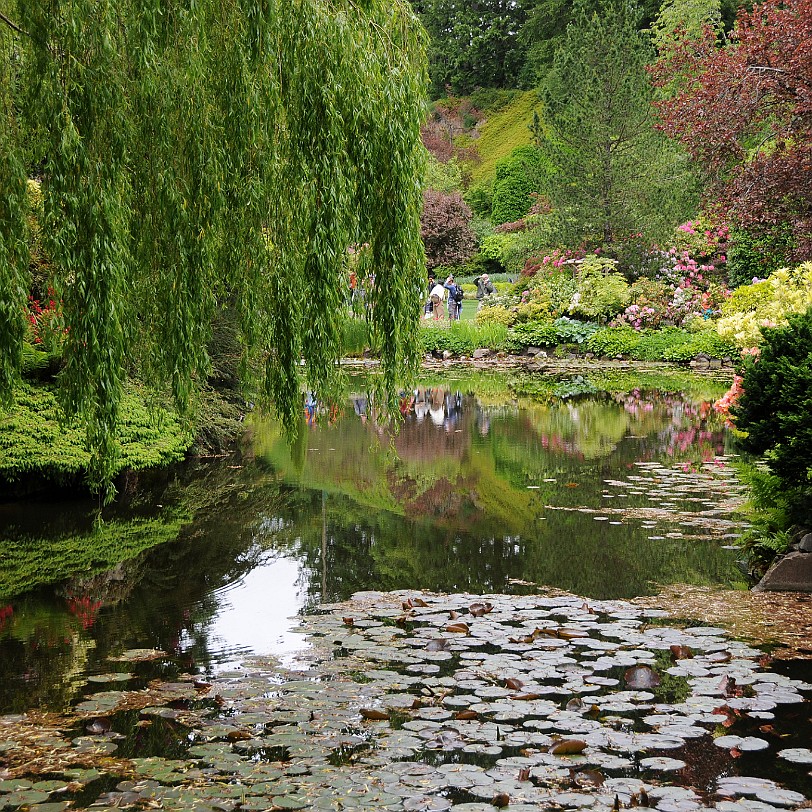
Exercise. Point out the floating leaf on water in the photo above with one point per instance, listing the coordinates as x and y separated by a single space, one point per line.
662 763
500 800
681 652
796 755
458 628
641 676
137 655
439 644
514 684
568 747
480 609
113 677
466 715
780 797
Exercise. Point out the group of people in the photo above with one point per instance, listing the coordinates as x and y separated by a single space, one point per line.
450 290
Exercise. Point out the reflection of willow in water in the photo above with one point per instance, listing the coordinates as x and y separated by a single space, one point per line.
161 597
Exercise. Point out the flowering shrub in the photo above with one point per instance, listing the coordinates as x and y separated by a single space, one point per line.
766 303
556 259
704 240
649 301
729 399
47 329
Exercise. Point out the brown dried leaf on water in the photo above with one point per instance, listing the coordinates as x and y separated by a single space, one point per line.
466 715
524 774
641 677
238 736
728 686
585 607
572 634
587 778
681 652
575 704
525 697
374 715
514 684
438 644
452 615
458 628
500 800
348 621
480 609
568 747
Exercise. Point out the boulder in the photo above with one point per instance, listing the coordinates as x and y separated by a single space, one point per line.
805 545
447 354
791 573
536 351
481 353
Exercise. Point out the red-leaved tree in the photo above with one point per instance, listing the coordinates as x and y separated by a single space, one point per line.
445 226
744 111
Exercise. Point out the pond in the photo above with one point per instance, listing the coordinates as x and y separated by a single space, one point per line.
597 485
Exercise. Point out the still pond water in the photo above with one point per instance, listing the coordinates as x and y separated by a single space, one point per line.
601 486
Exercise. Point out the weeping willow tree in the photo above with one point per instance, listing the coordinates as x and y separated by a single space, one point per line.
202 154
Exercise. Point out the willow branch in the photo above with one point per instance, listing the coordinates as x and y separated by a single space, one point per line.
12 25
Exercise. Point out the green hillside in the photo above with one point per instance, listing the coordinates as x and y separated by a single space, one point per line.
502 132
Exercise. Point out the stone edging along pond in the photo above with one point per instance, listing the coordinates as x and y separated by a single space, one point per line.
412 701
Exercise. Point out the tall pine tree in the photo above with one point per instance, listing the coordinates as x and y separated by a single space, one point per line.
612 174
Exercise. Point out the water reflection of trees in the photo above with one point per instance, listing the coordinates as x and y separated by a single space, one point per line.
443 504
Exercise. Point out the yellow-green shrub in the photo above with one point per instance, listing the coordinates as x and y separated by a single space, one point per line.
765 304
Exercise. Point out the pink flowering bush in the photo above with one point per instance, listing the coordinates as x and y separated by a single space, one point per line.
649 302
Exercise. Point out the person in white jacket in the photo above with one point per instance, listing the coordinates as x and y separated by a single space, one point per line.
437 301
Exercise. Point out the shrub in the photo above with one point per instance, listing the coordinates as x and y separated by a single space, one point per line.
765 304
775 409
495 314
600 293
517 178
755 256
649 304
480 199
670 344
354 336
611 341
445 229
546 333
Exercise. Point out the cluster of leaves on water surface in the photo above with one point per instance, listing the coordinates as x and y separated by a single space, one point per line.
466 702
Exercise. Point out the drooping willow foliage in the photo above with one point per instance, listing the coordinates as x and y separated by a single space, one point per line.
203 154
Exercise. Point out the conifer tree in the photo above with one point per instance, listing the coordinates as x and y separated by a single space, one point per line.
612 174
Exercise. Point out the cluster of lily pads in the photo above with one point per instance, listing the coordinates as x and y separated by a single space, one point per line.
417 702
702 500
